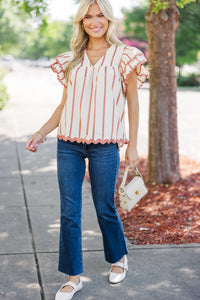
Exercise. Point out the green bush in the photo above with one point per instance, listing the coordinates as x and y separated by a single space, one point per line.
191 80
3 91
3 95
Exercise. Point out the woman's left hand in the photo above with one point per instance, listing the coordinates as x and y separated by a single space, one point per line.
131 157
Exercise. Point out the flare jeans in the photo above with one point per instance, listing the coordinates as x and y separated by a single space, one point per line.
103 169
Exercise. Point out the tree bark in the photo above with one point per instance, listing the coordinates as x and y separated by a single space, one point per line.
163 156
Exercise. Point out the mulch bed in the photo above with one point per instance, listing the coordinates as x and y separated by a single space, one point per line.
168 214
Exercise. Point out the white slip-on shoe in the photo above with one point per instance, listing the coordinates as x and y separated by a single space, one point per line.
67 296
118 277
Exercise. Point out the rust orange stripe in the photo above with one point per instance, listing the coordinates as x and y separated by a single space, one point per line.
113 56
118 96
103 59
86 69
113 79
74 93
95 100
120 120
82 61
117 127
104 102
88 120
113 118
122 114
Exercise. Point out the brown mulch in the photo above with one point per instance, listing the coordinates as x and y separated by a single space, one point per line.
168 214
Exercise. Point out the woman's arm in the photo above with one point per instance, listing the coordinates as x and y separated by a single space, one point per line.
50 125
131 156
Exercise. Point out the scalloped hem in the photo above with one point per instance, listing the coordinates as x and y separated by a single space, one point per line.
121 142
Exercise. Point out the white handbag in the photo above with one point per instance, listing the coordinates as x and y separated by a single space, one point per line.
130 194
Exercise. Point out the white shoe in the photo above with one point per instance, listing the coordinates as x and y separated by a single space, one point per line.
67 296
118 277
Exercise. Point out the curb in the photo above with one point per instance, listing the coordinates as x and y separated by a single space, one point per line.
162 246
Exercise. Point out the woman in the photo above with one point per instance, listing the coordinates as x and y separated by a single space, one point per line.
98 76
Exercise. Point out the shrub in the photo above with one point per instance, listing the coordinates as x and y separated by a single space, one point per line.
191 80
3 91
3 95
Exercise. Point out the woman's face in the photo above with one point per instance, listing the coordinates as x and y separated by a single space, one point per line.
94 22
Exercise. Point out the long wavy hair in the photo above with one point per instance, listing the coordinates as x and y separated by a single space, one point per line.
80 38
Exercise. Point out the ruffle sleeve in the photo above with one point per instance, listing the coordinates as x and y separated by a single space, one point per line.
58 65
132 58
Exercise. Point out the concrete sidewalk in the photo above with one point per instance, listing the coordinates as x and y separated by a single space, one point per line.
29 224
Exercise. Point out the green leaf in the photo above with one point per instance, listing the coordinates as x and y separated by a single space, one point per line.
158 5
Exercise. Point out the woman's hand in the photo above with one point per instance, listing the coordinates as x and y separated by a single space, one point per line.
40 136
33 143
131 157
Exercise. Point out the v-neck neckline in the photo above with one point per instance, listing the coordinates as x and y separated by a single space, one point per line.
100 59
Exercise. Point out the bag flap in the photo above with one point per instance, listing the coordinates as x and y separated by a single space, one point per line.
136 188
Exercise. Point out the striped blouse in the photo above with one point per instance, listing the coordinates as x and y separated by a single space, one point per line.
96 95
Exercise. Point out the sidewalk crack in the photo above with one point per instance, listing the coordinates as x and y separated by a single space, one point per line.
37 265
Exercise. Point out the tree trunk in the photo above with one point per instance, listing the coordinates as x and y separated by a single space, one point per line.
163 156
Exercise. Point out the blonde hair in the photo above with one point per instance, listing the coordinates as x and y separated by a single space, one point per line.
80 38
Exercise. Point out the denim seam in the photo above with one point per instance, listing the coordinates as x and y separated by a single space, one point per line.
121 234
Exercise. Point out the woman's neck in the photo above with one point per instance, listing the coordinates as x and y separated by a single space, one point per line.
97 44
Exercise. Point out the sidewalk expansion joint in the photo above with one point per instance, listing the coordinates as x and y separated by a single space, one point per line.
164 246
16 253
130 248
37 265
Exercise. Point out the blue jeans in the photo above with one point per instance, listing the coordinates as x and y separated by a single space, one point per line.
103 169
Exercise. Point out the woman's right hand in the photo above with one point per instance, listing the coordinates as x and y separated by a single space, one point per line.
33 143
39 137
